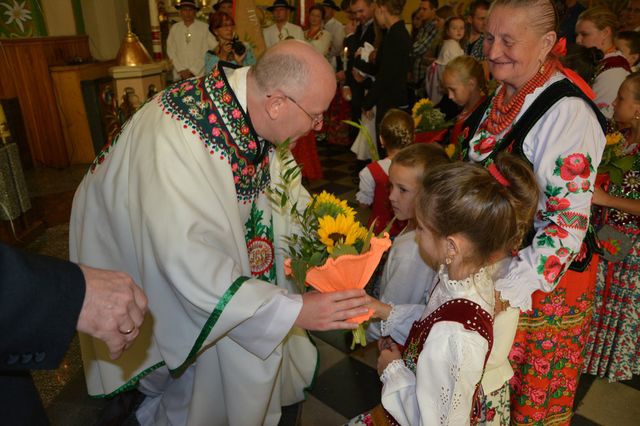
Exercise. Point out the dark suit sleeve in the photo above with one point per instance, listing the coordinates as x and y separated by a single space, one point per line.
393 66
40 301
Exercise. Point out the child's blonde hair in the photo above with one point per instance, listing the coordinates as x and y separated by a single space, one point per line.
422 157
465 198
397 129
468 68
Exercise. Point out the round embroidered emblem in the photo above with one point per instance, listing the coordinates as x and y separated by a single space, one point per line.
260 255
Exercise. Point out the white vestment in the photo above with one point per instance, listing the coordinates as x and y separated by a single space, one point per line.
179 202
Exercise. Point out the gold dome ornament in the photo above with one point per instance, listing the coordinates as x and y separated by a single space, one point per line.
132 53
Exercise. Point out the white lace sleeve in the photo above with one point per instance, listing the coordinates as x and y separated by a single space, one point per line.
448 369
400 320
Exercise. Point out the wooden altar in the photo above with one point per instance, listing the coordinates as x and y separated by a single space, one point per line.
50 120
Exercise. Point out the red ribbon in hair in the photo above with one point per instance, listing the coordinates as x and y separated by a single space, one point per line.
559 50
493 170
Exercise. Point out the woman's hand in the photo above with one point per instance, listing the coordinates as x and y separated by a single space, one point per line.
387 356
239 58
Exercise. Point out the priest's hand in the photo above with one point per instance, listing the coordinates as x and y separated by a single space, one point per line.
113 309
330 311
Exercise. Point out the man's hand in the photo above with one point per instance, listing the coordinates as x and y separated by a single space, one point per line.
329 311
113 308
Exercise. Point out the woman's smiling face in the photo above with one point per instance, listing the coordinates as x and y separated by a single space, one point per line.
512 46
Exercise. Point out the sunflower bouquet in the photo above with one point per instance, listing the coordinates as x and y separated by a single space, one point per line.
617 157
331 251
430 123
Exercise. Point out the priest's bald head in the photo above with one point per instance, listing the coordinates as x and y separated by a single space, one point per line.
288 91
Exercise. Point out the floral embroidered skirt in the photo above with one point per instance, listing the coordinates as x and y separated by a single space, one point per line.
613 348
495 408
548 351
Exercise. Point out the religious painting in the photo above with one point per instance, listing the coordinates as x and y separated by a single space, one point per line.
21 18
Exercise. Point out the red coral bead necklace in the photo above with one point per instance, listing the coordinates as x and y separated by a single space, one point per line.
501 115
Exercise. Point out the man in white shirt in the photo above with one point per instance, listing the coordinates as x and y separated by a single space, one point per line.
336 28
188 41
282 29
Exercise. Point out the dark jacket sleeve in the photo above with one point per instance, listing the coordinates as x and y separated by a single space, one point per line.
393 67
40 301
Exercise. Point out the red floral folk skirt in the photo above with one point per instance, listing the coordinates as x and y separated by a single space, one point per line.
548 350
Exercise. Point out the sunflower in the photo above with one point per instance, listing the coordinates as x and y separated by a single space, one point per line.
614 138
416 111
340 230
326 204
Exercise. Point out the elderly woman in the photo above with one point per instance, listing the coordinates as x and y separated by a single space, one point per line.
595 28
222 27
541 116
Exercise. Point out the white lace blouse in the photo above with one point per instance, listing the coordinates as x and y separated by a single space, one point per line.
451 361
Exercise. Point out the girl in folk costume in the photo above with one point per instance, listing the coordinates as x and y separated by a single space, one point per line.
454 32
406 278
595 28
540 115
396 132
464 82
468 221
612 349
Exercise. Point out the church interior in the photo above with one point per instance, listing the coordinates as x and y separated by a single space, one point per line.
71 73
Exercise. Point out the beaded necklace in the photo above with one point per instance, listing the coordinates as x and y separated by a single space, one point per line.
501 115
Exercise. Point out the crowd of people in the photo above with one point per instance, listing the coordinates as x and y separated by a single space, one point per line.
514 266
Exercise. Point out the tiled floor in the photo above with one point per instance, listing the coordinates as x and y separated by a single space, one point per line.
347 383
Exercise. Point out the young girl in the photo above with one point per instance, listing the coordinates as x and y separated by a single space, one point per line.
596 27
468 221
406 279
396 132
454 31
612 347
464 82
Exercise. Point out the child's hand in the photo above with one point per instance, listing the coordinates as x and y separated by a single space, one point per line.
387 356
380 310
384 343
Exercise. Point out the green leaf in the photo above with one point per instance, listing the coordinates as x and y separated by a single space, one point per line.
373 151
317 259
625 163
616 175
342 249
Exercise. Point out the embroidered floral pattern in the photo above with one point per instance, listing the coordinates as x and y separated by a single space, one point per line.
612 346
259 238
208 108
548 347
